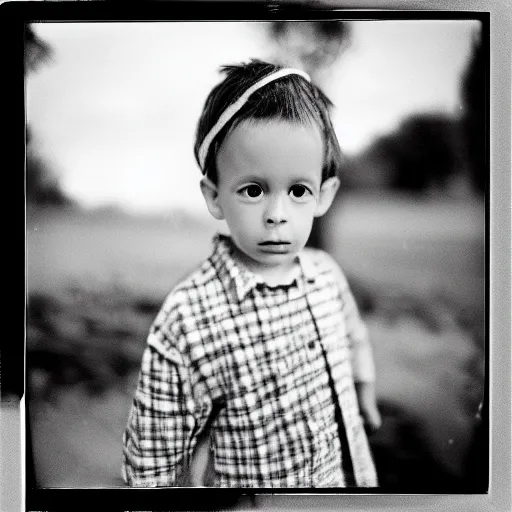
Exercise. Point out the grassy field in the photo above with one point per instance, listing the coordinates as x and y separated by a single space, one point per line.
95 281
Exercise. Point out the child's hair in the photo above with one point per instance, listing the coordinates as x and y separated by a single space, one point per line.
291 98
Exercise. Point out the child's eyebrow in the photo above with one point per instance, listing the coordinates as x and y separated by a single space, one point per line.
302 179
250 179
306 180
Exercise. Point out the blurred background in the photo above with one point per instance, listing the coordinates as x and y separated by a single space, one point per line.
115 218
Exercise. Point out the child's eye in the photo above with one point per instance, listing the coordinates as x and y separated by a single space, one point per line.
300 192
252 191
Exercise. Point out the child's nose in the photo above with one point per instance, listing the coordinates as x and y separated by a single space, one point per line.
276 212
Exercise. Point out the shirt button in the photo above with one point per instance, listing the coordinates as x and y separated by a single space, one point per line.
311 344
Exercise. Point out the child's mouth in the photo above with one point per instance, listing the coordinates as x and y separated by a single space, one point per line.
275 246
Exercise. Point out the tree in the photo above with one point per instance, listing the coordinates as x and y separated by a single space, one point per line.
42 186
475 115
37 51
425 152
312 45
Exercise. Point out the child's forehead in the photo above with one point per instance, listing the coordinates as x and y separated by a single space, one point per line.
251 128
272 148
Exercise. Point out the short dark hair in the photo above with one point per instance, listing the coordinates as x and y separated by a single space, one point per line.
291 98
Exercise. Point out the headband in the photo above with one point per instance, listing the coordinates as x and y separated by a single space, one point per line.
238 104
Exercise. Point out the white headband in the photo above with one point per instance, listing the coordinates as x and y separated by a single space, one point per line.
238 104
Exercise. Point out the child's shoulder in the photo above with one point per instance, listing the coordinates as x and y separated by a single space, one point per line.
322 263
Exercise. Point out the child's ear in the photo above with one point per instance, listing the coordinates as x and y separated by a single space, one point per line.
211 196
327 194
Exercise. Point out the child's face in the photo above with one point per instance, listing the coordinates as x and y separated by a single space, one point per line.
269 190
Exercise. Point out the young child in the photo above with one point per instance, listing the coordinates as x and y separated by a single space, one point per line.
260 352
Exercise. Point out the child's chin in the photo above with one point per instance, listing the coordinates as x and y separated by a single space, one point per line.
268 257
276 258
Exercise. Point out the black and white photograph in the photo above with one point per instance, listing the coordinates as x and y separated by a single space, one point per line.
257 257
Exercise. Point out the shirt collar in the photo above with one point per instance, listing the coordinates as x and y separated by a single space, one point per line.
240 277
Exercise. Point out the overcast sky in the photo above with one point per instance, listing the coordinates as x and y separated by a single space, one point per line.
115 110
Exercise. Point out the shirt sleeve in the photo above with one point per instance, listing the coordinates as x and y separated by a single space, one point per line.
363 364
164 419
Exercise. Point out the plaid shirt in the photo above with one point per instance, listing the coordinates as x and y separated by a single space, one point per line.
258 366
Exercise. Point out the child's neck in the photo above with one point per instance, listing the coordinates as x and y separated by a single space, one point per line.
280 277
272 275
